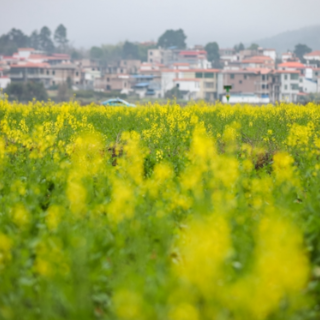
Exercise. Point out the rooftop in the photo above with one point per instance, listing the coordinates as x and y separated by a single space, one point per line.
313 54
297 65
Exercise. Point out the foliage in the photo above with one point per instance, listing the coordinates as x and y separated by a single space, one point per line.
159 212
26 91
174 93
173 38
253 46
60 37
212 49
45 41
239 47
300 50
14 39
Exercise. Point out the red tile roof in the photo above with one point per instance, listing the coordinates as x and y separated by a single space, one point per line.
250 70
257 59
296 65
313 54
25 49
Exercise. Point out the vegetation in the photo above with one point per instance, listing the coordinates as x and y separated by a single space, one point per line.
26 91
300 50
173 38
203 212
14 39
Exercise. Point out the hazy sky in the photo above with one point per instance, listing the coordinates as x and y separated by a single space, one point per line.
95 22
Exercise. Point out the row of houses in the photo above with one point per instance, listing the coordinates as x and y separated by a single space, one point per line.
255 75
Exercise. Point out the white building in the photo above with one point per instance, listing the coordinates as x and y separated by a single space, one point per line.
308 85
162 56
312 58
290 82
189 87
270 53
4 82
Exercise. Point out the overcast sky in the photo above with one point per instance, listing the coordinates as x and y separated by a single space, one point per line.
96 22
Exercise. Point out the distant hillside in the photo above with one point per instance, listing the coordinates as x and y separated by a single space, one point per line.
287 40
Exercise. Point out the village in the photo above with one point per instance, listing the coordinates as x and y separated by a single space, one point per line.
256 75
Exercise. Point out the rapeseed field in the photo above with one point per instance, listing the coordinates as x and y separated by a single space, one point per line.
159 212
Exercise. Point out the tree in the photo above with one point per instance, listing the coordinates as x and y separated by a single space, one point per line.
212 49
130 51
300 50
173 38
96 53
27 91
60 37
45 42
14 39
254 46
34 40
239 47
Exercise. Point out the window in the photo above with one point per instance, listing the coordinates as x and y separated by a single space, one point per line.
199 75
263 78
294 86
108 87
317 73
150 53
151 60
263 86
125 84
108 79
48 72
232 76
285 87
209 75
121 70
285 77
53 72
77 73
245 77
41 71
294 76
240 81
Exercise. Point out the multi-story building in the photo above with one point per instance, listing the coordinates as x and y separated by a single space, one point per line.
258 62
162 56
63 72
253 81
37 72
313 58
194 83
290 85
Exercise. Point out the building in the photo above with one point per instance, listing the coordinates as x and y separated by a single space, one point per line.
37 72
289 57
292 66
4 81
260 82
194 83
64 72
160 56
258 62
313 58
271 53
290 85
197 59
